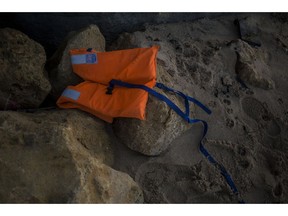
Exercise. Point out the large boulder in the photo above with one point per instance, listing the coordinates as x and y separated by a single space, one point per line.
162 125
59 66
23 80
59 157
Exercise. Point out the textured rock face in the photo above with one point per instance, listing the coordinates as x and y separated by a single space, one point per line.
59 66
55 158
23 82
106 185
249 29
162 125
251 66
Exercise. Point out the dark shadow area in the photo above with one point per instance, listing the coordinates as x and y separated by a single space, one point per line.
49 29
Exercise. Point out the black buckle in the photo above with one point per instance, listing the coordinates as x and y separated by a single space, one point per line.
110 89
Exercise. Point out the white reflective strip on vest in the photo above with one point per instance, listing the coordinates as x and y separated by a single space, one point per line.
90 58
72 94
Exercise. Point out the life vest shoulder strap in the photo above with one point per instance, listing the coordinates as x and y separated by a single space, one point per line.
184 115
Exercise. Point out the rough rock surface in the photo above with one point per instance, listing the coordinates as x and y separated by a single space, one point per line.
162 125
23 81
249 29
59 157
251 66
59 66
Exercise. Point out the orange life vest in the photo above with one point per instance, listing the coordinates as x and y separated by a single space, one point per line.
137 66
134 73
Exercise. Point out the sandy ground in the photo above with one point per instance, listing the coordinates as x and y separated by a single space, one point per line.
248 126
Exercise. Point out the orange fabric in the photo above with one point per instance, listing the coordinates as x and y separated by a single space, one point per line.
137 66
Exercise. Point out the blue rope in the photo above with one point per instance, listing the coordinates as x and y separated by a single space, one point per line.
186 117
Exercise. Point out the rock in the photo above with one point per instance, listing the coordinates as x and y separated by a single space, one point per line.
89 131
66 160
251 66
249 29
59 66
23 80
162 125
106 185
281 17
